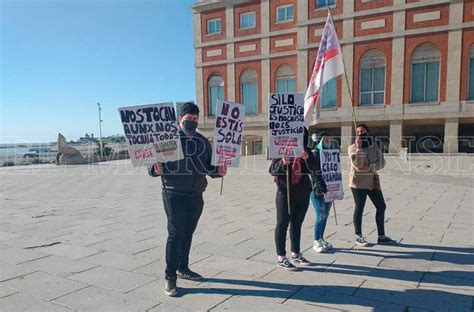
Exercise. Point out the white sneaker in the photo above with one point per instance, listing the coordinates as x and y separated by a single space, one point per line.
326 244
318 246
361 241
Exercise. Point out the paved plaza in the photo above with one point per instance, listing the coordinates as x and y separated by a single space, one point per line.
92 238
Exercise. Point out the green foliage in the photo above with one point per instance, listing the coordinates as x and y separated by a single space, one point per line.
107 149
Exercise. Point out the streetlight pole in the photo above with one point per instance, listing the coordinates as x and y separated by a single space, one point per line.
100 132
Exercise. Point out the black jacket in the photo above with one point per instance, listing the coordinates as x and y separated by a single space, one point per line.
319 186
188 175
303 187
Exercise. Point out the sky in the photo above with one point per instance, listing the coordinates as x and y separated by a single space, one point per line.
59 58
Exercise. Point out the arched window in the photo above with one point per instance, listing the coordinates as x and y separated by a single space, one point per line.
285 79
470 93
216 91
249 91
372 78
425 74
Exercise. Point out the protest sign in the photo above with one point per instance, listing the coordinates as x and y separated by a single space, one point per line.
152 133
286 124
331 173
228 134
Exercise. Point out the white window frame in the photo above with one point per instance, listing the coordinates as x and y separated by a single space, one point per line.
324 7
286 20
248 13
372 69
424 81
209 21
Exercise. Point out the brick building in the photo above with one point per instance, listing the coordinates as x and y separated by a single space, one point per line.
410 66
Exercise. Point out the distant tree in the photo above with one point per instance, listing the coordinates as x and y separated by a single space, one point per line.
107 149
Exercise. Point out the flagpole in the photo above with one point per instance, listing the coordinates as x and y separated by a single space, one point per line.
354 120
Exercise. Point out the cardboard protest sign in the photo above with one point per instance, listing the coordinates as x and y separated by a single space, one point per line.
152 133
331 173
286 124
228 134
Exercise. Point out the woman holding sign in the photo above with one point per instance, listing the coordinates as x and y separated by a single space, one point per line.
299 170
321 206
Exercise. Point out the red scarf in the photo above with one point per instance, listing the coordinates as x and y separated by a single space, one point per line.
295 178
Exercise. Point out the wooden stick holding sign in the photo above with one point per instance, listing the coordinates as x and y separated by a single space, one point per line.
222 184
334 205
288 188
227 138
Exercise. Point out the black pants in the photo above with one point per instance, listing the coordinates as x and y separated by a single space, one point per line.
183 212
376 196
299 207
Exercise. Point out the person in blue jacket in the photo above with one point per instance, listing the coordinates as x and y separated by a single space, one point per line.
323 141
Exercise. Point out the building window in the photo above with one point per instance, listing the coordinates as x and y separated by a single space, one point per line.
214 26
328 94
284 13
248 20
216 92
425 74
470 93
285 79
249 91
372 78
325 3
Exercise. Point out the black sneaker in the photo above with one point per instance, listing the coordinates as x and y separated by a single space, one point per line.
386 240
360 240
189 275
287 265
299 259
170 287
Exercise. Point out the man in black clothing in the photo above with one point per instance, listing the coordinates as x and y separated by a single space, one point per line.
184 181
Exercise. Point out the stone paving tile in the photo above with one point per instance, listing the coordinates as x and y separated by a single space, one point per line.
70 251
314 276
59 266
233 265
430 215
200 297
5 292
333 297
16 255
225 250
447 282
20 302
100 299
241 285
113 279
246 303
117 260
416 297
45 286
9 271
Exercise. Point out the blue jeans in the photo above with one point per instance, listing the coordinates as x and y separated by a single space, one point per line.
322 212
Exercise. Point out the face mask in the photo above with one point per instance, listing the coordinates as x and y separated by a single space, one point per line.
366 141
189 126
326 145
